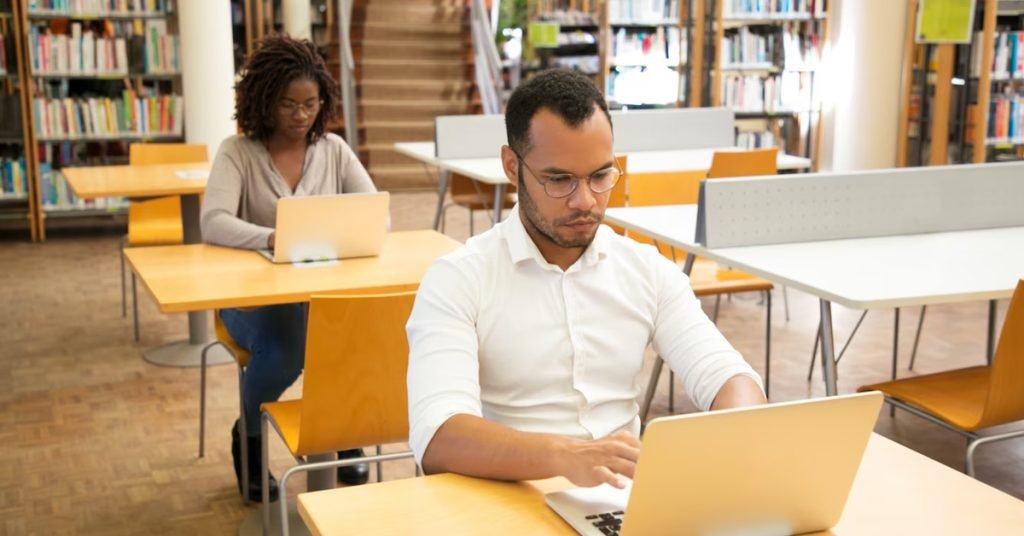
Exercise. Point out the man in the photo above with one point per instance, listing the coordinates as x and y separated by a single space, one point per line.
526 345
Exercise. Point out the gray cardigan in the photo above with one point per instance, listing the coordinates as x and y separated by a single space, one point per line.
240 203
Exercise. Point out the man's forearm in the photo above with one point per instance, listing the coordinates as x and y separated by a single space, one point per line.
738 391
473 446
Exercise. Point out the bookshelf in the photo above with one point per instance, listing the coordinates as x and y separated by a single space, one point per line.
99 75
645 52
764 66
17 193
579 38
965 102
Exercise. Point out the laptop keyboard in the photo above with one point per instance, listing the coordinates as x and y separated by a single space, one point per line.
608 523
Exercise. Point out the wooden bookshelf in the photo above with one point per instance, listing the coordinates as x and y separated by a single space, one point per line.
17 208
140 84
644 53
964 103
764 65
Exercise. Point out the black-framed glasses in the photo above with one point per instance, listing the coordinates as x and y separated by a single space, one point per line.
291 108
564 184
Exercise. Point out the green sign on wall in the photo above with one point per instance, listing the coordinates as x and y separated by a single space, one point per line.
945 21
543 34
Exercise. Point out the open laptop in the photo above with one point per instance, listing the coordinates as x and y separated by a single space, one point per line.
778 469
329 227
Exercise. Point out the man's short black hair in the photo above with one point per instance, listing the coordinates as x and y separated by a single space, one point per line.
569 94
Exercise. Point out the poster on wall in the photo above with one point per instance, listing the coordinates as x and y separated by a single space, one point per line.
945 21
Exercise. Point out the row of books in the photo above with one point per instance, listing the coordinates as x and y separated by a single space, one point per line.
95 7
662 46
755 140
786 92
584 64
801 47
1006 118
97 118
54 192
748 46
13 180
89 52
638 86
769 8
10 116
639 11
567 17
1007 57
8 64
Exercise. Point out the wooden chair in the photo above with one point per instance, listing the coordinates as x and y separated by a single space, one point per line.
971 399
706 279
354 390
241 357
474 195
156 222
752 163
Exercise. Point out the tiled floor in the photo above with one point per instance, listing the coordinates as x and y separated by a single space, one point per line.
96 441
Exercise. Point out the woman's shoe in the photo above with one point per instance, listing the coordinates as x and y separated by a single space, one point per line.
353 475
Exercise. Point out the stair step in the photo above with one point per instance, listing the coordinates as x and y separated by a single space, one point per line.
392 178
410 49
413 14
396 131
385 154
414 69
398 31
414 89
398 110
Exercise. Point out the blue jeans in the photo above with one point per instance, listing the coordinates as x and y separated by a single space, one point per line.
276 337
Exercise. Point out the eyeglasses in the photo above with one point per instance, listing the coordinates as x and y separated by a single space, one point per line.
291 108
564 184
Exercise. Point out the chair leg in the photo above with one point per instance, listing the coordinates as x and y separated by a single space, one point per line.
265 476
768 344
652 386
135 308
202 399
671 391
124 291
718 301
917 337
895 351
785 301
471 231
379 464
243 436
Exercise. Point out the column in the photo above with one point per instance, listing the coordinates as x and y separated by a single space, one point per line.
208 71
861 93
296 18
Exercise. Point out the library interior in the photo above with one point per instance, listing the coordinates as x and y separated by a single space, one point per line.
259 264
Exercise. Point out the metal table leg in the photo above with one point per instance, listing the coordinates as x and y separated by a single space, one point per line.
990 348
499 202
828 350
187 353
442 189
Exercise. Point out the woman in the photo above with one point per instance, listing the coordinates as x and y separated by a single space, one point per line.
285 99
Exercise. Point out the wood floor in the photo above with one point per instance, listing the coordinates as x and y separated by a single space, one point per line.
96 441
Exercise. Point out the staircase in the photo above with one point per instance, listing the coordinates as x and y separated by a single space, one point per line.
412 64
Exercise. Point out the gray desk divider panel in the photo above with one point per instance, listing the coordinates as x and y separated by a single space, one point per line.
814 207
673 128
469 136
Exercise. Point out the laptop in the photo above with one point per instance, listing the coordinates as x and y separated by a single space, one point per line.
778 469
329 227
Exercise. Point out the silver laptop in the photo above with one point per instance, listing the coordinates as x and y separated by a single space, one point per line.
778 469
329 227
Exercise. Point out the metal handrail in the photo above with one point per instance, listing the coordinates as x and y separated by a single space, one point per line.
488 62
348 83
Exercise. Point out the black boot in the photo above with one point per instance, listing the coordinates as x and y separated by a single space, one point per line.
255 449
353 475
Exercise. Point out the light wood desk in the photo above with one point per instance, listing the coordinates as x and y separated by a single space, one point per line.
489 171
203 277
149 181
896 491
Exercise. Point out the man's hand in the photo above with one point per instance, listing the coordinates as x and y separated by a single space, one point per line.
591 463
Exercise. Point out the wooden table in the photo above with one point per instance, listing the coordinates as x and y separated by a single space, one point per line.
204 277
896 491
144 182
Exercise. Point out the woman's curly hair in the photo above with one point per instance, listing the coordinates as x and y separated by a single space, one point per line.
276 62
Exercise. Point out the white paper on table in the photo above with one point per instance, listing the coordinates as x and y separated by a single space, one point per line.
193 174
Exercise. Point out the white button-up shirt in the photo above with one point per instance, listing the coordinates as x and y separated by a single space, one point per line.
498 332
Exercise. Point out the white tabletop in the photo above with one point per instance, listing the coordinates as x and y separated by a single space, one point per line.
862 273
488 170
